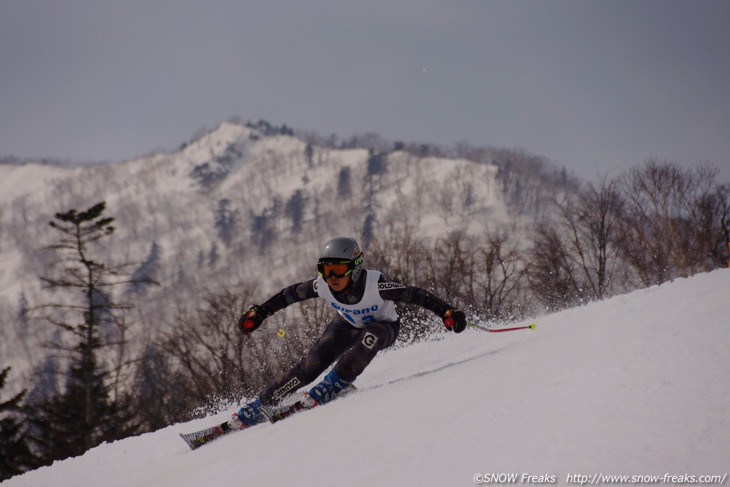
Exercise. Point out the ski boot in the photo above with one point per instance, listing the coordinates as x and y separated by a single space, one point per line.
249 415
325 391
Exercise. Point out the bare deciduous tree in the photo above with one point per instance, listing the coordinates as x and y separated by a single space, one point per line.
553 272
676 220
590 223
499 286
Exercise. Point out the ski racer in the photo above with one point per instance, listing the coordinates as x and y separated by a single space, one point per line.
366 323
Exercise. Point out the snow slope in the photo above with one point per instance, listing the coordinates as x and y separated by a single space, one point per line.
634 385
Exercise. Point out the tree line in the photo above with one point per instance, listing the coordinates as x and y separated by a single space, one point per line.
656 222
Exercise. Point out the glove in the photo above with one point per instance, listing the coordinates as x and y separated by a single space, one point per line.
252 319
454 320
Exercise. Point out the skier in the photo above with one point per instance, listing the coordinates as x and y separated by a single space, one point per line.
366 323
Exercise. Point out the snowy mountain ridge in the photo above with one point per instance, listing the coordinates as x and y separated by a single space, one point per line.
222 212
635 386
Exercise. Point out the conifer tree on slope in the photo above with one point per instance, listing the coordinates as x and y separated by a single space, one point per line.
84 414
15 454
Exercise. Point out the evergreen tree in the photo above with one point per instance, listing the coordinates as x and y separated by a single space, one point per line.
368 230
83 415
22 324
147 271
15 453
162 392
263 232
294 209
376 163
344 185
213 256
226 221
45 380
309 155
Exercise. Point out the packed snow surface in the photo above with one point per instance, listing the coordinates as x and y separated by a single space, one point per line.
634 385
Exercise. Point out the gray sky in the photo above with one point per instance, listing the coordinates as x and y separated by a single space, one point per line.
595 86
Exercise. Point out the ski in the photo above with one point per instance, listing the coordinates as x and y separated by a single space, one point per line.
197 439
286 412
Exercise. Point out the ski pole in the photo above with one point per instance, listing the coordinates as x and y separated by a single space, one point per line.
531 326
280 332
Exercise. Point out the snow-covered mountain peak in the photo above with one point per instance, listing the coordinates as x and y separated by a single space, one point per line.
226 207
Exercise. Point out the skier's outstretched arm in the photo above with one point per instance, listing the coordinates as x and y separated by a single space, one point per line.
256 315
454 319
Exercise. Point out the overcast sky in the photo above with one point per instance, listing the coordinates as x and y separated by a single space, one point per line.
595 86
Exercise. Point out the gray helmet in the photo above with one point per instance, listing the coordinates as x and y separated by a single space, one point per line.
342 250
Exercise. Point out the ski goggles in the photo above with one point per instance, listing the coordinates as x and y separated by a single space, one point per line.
334 269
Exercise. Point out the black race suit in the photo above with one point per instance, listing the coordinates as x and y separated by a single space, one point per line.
355 347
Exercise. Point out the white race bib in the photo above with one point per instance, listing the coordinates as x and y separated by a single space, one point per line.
371 307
